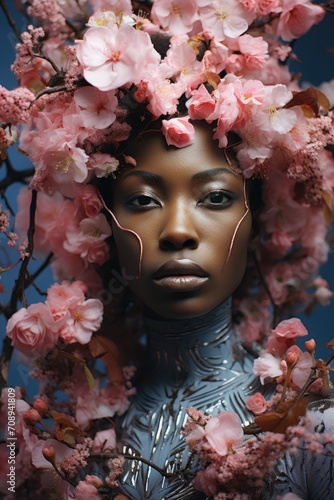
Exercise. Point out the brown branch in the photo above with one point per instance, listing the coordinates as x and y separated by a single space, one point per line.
10 20
31 278
136 458
50 61
14 175
330 359
50 90
8 205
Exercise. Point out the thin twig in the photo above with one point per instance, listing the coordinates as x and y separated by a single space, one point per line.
15 175
62 475
50 61
135 457
330 359
50 90
8 205
31 277
10 20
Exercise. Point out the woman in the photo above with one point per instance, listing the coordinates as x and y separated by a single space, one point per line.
175 130
189 208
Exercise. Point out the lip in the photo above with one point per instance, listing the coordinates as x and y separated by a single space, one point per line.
180 267
180 275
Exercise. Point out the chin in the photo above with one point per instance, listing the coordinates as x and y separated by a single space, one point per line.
186 307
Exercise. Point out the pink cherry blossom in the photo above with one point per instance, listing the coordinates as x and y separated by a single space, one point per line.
252 52
201 104
301 370
76 319
256 404
113 57
181 59
163 95
81 321
89 200
97 108
111 13
177 16
290 328
225 18
87 239
267 367
265 7
61 158
62 452
178 132
103 164
94 404
104 440
32 330
227 111
224 432
65 295
273 115
46 218
216 58
302 367
297 17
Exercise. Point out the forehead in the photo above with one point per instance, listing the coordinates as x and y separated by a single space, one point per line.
152 154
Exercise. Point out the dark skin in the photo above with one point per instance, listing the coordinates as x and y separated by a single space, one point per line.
188 208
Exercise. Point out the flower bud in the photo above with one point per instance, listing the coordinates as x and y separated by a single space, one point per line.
49 454
291 358
40 406
32 417
310 345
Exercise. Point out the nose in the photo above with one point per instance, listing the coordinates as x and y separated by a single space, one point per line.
179 228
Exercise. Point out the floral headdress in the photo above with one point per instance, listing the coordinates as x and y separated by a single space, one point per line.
93 75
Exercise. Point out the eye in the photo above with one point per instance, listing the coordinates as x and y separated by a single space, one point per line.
217 199
142 201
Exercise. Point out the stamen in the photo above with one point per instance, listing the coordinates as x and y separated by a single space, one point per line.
64 165
221 14
175 10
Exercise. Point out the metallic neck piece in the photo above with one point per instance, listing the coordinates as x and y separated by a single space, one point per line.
195 362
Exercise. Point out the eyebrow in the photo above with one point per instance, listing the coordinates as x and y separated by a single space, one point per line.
155 178
214 172
147 176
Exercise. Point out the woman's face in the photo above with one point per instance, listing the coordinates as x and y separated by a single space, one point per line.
185 205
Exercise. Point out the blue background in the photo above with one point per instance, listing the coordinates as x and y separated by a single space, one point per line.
315 52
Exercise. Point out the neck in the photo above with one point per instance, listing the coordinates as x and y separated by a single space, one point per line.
195 348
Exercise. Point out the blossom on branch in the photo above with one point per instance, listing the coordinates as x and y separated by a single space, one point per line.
113 57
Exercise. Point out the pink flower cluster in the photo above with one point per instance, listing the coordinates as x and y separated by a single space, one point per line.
240 472
232 18
280 351
74 230
66 315
231 473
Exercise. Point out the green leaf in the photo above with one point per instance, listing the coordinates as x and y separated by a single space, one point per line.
90 378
